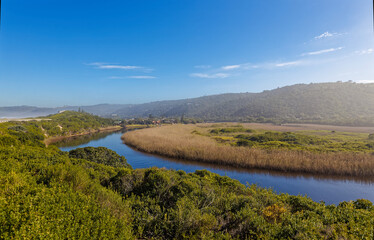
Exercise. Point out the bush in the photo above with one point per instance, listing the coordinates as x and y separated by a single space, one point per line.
370 145
100 155
8 141
371 136
230 130
244 143
363 204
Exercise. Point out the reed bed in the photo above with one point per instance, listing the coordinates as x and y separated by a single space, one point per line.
177 141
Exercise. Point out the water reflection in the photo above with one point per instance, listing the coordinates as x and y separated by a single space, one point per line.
205 165
331 189
83 139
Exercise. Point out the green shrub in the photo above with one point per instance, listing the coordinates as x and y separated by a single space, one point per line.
100 155
92 193
229 130
370 145
8 141
17 128
363 204
245 143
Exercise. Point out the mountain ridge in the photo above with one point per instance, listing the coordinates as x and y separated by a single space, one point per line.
341 103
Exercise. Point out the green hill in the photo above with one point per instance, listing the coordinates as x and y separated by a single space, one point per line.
332 103
337 103
71 122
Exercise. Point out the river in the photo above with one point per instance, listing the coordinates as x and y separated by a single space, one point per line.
331 190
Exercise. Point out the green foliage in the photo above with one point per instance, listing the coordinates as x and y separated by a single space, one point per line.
70 122
371 136
244 143
46 194
15 134
100 155
234 129
90 193
363 204
17 128
173 205
311 141
8 141
370 145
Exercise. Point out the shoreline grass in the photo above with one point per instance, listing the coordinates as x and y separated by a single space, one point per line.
178 141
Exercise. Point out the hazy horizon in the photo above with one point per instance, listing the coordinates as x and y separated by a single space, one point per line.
176 99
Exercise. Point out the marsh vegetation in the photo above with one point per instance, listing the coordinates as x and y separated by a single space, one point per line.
311 151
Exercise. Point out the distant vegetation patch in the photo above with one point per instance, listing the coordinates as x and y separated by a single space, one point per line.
230 130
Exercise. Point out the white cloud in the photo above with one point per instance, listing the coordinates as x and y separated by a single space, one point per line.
205 75
287 64
133 77
113 66
118 67
322 51
239 69
142 77
325 35
203 66
366 51
230 67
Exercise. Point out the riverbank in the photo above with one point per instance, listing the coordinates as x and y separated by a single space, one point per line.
186 142
136 126
51 140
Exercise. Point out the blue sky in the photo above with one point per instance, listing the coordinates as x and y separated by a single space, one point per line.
55 53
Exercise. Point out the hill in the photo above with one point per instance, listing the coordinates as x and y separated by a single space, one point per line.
330 103
340 103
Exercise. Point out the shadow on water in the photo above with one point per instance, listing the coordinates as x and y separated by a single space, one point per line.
331 189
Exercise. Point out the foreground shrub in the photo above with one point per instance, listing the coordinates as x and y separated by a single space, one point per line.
170 204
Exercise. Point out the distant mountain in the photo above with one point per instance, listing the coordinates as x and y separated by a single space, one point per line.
26 111
333 103
105 110
345 103
195 107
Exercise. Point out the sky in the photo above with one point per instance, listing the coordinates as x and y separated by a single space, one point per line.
85 52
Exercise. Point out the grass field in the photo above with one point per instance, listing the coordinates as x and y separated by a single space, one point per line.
136 126
308 150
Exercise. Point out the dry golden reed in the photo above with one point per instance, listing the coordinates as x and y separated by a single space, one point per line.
177 141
